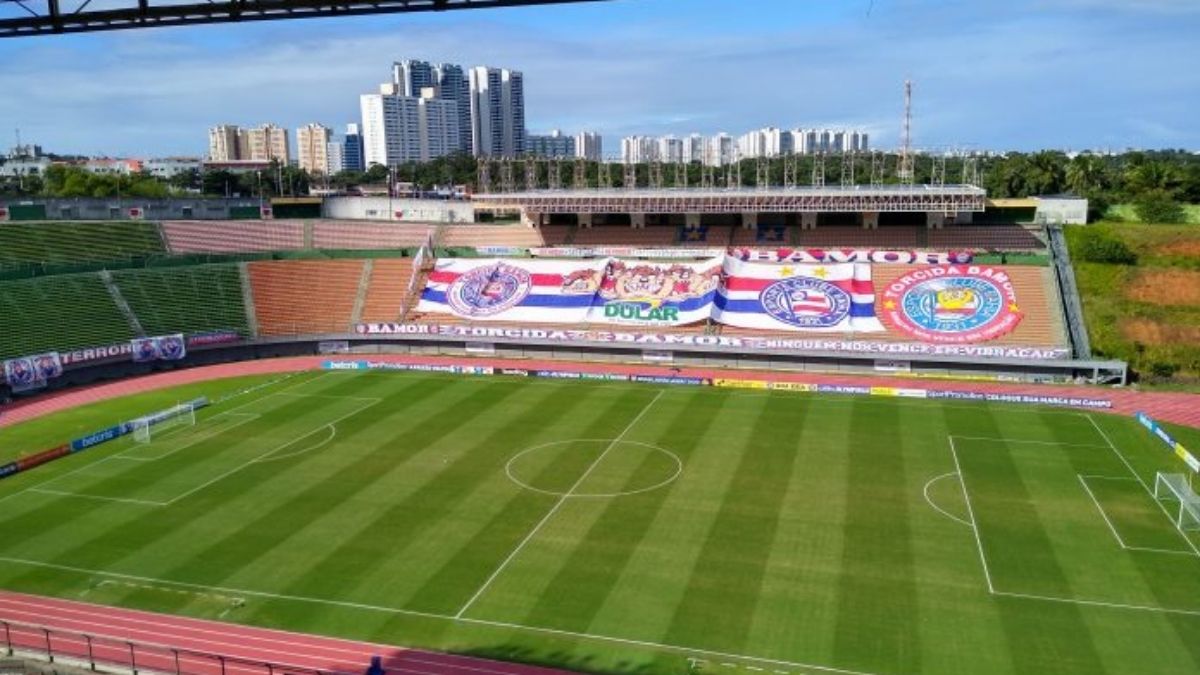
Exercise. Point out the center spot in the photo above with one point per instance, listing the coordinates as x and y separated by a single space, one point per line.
570 468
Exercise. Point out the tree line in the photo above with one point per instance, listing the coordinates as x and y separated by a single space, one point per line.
1155 181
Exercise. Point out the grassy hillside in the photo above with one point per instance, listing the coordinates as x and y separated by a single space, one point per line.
1147 313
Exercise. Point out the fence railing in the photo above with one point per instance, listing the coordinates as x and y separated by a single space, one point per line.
98 652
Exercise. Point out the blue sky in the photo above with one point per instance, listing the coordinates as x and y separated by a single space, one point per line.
995 74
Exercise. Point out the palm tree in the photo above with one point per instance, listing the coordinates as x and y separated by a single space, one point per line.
1087 174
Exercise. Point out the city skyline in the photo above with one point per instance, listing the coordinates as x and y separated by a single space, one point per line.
1005 76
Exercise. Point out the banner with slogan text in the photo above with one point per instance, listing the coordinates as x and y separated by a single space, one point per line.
797 297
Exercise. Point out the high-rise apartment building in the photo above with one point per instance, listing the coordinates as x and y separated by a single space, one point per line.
267 143
399 128
449 83
223 143
312 147
497 98
352 149
639 149
553 144
670 149
589 145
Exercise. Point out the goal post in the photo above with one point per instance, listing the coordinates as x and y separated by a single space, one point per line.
1174 487
145 428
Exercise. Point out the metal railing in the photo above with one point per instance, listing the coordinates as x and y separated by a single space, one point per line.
98 652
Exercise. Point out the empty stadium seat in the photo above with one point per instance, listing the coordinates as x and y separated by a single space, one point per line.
193 299
242 236
24 244
298 297
58 313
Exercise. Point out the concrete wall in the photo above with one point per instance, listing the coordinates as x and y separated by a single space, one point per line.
151 209
1061 211
384 208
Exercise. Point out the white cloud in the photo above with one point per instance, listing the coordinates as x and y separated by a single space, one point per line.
991 77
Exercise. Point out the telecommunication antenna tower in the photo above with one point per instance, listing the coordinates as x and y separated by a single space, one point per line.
531 174
906 155
580 178
818 171
507 184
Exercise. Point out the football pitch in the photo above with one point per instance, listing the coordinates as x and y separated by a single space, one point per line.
631 527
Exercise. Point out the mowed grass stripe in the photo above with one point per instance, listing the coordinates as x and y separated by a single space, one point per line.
877 611
156 541
602 550
642 601
56 514
1017 548
1165 580
726 581
799 596
469 566
394 554
291 508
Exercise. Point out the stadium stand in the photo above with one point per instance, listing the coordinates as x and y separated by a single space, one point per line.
388 290
23 244
193 299
991 237
558 235
304 296
490 235
63 312
768 235
708 236
330 235
243 236
891 236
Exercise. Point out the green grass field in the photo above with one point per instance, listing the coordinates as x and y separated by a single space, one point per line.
627 528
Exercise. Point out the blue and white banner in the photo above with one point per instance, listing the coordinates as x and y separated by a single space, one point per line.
648 294
491 289
162 348
815 298
32 372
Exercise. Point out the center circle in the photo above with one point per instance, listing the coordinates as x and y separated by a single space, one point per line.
642 467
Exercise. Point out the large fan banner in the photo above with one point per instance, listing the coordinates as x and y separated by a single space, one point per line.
818 298
552 291
649 294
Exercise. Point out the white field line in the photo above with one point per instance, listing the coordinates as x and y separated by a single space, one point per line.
1092 476
1145 487
266 454
205 434
937 508
1099 603
295 453
1103 515
557 505
84 495
987 575
1031 442
479 622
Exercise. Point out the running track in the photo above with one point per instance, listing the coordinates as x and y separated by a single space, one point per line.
246 649
1179 408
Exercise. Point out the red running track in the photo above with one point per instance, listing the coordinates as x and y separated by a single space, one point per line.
158 638
1179 408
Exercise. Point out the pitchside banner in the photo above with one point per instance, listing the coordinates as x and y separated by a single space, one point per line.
32 372
162 348
818 298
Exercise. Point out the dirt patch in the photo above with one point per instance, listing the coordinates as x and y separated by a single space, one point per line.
1173 288
1182 248
1149 332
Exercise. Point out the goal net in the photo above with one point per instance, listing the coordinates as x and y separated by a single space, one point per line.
146 428
1174 487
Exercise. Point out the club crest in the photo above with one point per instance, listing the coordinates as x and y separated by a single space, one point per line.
805 302
490 290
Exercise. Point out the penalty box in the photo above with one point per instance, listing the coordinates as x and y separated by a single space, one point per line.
1069 521
185 460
